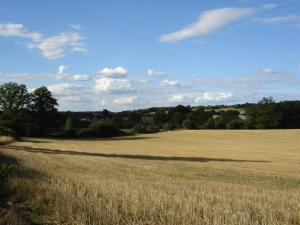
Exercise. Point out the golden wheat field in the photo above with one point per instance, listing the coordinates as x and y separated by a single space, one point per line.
171 178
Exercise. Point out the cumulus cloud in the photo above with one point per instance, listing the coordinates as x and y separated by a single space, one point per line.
117 72
52 47
112 85
67 89
66 99
213 96
208 22
169 83
19 30
81 77
178 98
56 46
154 73
63 75
269 6
126 100
61 72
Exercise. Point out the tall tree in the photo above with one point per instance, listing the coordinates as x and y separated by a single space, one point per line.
42 101
14 98
265 114
43 106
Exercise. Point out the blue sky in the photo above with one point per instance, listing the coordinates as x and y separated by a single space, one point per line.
135 54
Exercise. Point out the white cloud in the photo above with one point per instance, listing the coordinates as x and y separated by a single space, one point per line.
269 6
56 46
126 100
112 85
117 72
269 71
70 98
213 96
52 47
18 30
81 77
61 73
208 22
280 19
67 89
76 27
179 98
169 83
154 73
25 76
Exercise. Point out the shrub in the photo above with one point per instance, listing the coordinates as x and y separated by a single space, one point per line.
235 124
100 129
7 132
146 128
188 124
220 124
171 126
210 124
69 128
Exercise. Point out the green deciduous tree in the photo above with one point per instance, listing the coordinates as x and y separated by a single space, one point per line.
14 99
43 107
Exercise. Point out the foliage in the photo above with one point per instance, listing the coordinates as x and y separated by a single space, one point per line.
171 126
188 124
146 128
69 127
42 100
235 124
264 115
14 99
210 124
7 132
100 129
35 114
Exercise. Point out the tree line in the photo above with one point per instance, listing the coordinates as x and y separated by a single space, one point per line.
24 113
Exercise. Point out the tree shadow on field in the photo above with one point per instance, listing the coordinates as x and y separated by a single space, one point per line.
124 138
30 140
126 156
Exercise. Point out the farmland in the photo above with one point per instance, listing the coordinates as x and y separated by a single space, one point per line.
178 177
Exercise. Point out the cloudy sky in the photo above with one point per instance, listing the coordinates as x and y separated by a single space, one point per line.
134 54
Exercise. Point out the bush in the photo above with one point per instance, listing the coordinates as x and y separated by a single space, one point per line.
70 131
188 124
220 124
171 126
235 124
146 128
7 132
210 124
100 129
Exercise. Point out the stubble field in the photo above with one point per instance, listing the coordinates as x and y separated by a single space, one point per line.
178 178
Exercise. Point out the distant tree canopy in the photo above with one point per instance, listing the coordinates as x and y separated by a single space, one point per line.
35 114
